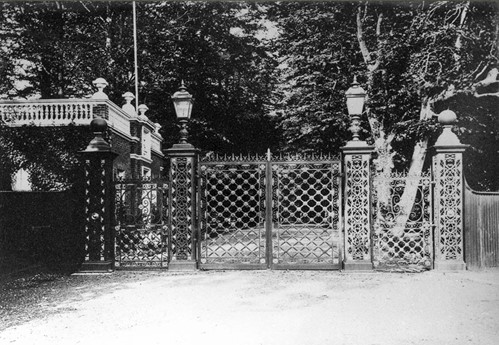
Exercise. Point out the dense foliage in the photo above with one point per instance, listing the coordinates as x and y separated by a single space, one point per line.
280 88
48 153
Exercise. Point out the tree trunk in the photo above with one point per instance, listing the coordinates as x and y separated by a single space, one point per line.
412 180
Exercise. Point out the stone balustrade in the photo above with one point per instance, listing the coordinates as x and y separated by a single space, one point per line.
62 112
53 112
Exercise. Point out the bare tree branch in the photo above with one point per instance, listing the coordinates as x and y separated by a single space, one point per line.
360 38
493 94
489 79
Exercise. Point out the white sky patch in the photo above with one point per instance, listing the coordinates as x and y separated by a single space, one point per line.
270 30
238 32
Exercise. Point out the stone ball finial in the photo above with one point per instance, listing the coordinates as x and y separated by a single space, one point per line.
98 125
447 117
100 84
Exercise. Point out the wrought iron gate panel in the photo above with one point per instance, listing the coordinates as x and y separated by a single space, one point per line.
258 213
141 223
305 231
402 237
232 197
182 213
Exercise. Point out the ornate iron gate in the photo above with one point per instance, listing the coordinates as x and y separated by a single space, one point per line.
259 212
402 222
141 236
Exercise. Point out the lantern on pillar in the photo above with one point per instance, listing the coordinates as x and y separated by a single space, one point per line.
182 100
355 103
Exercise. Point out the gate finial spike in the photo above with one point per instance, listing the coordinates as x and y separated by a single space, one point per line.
268 154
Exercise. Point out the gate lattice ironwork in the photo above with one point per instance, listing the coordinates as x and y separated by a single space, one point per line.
279 212
403 226
142 235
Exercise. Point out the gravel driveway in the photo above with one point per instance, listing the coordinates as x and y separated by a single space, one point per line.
254 307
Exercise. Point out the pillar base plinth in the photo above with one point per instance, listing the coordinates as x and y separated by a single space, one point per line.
96 267
450 266
358 266
182 265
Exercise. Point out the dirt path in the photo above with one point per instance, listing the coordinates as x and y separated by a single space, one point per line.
264 307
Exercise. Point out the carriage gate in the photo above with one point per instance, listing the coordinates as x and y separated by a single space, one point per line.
266 212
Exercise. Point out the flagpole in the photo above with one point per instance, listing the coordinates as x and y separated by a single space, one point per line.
135 57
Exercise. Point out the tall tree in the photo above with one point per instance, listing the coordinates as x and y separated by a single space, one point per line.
415 59
317 56
210 45
213 48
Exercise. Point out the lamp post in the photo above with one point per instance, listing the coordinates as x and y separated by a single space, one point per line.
357 160
182 100
182 198
355 103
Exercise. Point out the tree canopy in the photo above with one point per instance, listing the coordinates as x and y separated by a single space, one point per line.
280 88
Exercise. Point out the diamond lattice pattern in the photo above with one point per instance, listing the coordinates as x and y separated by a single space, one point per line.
306 196
233 229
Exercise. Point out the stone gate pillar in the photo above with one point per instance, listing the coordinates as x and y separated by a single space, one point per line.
182 211
448 196
99 201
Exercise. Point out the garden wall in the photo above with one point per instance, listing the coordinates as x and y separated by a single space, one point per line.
43 227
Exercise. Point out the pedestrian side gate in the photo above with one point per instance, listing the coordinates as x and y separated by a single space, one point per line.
402 233
141 227
260 212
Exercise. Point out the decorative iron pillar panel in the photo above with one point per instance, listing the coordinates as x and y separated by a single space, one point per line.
449 237
99 208
99 201
448 175
357 217
183 207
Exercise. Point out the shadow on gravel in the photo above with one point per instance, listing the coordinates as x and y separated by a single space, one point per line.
29 290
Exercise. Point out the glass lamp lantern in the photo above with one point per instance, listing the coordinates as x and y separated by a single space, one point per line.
356 96
182 100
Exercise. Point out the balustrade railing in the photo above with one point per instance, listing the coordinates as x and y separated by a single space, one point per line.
46 112
61 112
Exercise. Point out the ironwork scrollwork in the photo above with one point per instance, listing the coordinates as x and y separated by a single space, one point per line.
357 244
448 196
141 218
402 228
